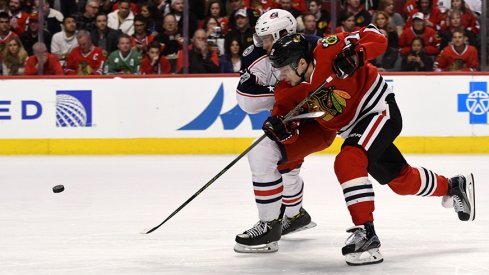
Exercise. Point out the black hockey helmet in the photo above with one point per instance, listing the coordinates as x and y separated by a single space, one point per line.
289 49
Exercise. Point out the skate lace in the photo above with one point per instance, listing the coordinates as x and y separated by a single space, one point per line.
285 223
258 229
458 204
357 236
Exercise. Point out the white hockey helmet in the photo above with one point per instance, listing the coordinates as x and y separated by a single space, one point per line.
274 22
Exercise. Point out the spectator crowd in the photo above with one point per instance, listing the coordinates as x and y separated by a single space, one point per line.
94 37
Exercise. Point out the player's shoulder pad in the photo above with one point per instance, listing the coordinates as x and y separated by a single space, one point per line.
371 27
250 55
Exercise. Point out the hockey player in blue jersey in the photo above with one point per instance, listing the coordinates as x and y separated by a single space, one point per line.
277 185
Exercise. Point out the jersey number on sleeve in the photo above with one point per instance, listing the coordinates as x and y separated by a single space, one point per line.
354 36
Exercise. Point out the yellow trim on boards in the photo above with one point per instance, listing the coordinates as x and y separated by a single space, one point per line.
143 146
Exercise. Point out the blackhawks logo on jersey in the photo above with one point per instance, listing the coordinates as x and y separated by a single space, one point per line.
329 40
84 68
330 101
322 24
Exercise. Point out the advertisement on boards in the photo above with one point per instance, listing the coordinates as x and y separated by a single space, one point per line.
206 107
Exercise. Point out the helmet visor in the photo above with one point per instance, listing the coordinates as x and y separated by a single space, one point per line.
257 40
264 40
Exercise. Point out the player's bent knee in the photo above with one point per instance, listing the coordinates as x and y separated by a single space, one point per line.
407 182
399 190
351 163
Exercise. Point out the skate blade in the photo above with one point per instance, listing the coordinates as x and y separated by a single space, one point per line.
305 227
262 248
471 194
356 258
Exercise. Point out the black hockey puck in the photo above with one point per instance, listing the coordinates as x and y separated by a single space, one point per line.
58 188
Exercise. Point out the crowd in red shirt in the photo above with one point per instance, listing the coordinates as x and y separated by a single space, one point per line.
423 35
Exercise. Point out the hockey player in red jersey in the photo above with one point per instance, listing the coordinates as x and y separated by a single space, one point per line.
361 107
86 59
275 167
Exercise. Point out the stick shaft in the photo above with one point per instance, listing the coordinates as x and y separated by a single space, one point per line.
232 163
218 175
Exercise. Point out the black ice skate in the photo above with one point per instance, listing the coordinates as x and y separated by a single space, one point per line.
363 239
462 191
299 222
261 238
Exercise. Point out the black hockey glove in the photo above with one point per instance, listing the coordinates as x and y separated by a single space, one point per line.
277 129
348 60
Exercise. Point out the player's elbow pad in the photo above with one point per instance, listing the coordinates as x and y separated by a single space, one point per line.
253 105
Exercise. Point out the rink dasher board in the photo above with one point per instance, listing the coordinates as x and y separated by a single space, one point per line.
199 115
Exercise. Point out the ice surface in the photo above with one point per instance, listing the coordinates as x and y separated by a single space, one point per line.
93 226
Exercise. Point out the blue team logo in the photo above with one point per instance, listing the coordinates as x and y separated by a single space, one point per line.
74 108
230 119
476 102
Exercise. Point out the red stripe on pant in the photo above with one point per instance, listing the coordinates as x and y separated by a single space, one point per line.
271 192
292 200
372 130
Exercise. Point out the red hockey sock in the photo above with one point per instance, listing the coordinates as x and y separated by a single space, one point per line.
420 182
351 171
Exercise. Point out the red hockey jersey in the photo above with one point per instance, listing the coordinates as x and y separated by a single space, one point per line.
468 20
410 5
85 64
430 38
163 66
143 41
18 22
450 60
51 67
345 101
435 17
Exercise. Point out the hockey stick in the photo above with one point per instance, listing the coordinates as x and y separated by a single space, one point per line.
290 116
306 116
